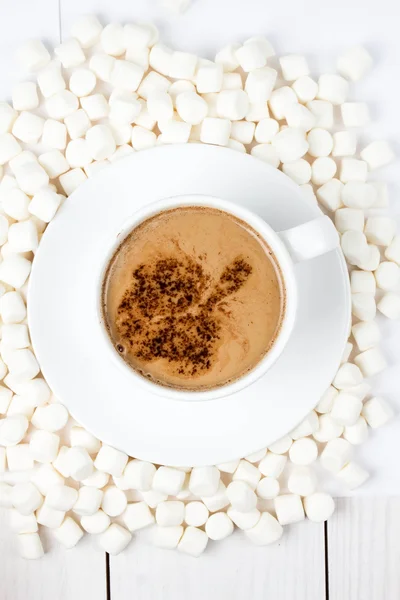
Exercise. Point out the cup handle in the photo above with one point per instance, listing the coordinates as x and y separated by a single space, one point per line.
310 239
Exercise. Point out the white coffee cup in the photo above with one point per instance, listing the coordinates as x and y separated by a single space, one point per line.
303 242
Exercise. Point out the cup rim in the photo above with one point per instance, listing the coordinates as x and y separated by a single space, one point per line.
285 263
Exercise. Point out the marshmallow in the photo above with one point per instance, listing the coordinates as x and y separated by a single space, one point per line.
152 498
303 451
21 159
302 481
366 334
182 65
36 391
392 252
280 101
196 514
178 87
87 30
363 306
78 153
15 204
264 44
215 131
82 82
177 132
323 112
227 58
352 475
244 520
61 104
126 107
50 79
61 497
22 523
248 473
96 166
70 54
193 541
7 117
372 261
294 66
122 133
95 106
9 148
371 362
336 454
111 461
320 142
268 488
328 429
21 363
281 446
13 429
159 105
218 500
333 88
267 530
54 163
137 516
349 219
272 464
112 39
251 56
241 496
209 78
125 76
96 523
377 154
356 434
100 142
30 546
19 458
354 63
191 107
289 509
355 114
25 96
4 224
232 104
219 526
323 169
353 170
49 517
306 427
355 247
330 194
290 144
97 479
305 88
160 59
5 399
114 501
32 55
79 464
166 537
77 124
257 112
204 481
259 85
344 143
380 230
267 153
69 533
137 35
5 495
89 501
44 204
73 179
168 480
102 66
387 275
138 55
347 376
44 446
264 132
26 498
232 81
297 115
377 412
139 474
31 177
389 305
255 457
54 134
319 507
170 513
3 372
50 418
23 237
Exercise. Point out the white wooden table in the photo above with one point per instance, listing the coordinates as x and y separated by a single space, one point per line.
355 556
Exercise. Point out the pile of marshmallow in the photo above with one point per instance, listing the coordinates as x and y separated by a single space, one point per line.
108 92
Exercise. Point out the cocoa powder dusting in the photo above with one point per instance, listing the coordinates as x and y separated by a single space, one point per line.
161 316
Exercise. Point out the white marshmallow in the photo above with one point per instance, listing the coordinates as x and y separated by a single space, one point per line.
126 76
355 247
182 65
257 112
22 523
264 44
297 115
204 481
259 85
319 507
303 451
377 412
330 194
61 463
20 406
267 530
280 101
305 88
152 498
265 131
61 104
232 81
15 336
166 537
5 495
353 170
244 520
349 219
302 481
82 82
50 418
44 204
336 454
21 159
168 480
4 225
354 63
178 87
25 96
344 143
328 429
176 132
72 179
15 204
137 516
125 108
268 488
267 153
12 308
227 58
49 517
160 59
209 78
70 53
372 261
26 498
371 362
9 148
232 104
355 114
294 66
241 496
218 500
306 427
96 523
95 106
289 509
7 117
19 458
23 237
31 177
389 305
88 501
97 479
290 144
170 513
356 434
308 193
333 88
139 55
102 66
272 464
323 112
382 194
87 30
54 134
387 275
101 142
21 363
255 457
392 252
96 166
281 446
363 306
191 107
215 131
367 334
30 546
323 169
139 474
112 39
50 79
78 153
347 376
193 541
377 154
111 461
114 501
44 446
79 464
69 533
32 55
5 399
320 142
137 35
352 475
380 230
196 514
219 526
159 105
248 473
61 497
54 163
251 56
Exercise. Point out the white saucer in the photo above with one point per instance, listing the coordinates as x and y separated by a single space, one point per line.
98 395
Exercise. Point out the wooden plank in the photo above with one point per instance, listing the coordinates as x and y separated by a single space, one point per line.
364 549
232 569
61 574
